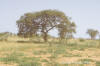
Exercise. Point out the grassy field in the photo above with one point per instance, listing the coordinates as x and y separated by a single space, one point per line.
23 52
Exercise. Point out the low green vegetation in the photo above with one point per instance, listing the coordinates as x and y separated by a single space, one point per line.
48 53
98 63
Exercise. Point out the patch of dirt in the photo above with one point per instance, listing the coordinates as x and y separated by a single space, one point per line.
74 60
87 52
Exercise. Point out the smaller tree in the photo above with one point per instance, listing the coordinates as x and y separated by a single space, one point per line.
92 33
71 30
66 31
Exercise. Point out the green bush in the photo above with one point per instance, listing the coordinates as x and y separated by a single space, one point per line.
44 60
98 63
81 39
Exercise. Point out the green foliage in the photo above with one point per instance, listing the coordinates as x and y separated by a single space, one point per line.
86 61
20 59
60 51
44 60
56 64
4 36
49 50
81 47
9 59
42 22
92 33
34 59
54 52
39 52
98 63
66 31
71 55
81 39
13 57
89 60
30 64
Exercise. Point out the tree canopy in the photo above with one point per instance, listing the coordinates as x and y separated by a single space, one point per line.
44 21
92 33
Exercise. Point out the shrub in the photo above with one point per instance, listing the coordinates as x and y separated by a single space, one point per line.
81 39
44 60
98 63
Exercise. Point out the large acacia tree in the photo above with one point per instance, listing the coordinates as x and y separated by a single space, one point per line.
43 22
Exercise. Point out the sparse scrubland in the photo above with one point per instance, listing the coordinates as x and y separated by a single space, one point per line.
17 51
33 46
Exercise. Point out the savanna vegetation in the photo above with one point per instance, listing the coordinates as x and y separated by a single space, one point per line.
33 46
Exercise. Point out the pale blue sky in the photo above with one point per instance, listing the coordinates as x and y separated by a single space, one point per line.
85 13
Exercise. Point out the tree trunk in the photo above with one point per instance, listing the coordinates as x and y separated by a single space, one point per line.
99 41
45 37
93 38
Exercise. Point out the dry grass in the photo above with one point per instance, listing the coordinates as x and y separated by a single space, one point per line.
14 53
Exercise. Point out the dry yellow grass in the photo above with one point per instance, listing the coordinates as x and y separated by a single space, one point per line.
71 55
